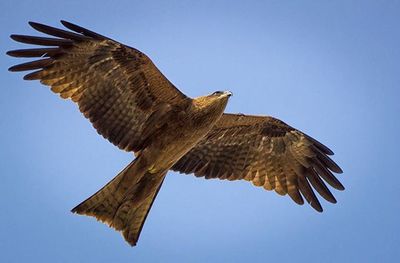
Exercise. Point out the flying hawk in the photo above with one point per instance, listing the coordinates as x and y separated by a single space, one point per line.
133 105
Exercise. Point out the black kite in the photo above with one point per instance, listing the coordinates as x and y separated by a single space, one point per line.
130 103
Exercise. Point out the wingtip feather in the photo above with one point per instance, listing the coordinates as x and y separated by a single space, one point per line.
32 23
10 53
82 30
320 209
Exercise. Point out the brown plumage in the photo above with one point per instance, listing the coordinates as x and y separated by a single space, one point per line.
130 103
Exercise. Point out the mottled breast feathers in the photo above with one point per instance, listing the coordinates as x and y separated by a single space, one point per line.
267 152
118 88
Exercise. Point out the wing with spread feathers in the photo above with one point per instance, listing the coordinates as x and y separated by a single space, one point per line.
267 152
118 88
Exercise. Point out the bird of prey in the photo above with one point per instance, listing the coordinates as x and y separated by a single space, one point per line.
133 105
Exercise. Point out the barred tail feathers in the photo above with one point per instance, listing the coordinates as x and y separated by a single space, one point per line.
125 201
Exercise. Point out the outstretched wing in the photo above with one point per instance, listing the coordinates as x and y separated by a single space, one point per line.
118 88
267 152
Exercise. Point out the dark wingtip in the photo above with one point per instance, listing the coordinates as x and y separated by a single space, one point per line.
335 168
340 187
331 199
14 37
33 76
68 24
328 196
339 170
82 30
325 149
9 53
36 25
318 208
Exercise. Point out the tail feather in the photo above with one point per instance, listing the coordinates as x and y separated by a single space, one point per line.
125 201
133 230
101 203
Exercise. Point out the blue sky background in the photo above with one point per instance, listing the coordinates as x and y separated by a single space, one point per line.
329 68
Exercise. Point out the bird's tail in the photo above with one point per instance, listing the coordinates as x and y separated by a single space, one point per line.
125 201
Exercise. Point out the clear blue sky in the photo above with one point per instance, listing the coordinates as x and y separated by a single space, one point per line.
329 68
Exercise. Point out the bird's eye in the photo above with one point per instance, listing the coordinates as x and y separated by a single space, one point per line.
218 93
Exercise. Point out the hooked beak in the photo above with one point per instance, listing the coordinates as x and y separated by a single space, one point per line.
228 93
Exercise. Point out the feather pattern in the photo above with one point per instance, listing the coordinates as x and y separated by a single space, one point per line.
267 152
130 103
115 86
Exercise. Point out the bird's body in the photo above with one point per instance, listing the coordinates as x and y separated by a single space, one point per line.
185 130
136 108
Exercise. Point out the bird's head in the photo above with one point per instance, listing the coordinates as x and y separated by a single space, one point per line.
221 94
219 97
214 103
215 98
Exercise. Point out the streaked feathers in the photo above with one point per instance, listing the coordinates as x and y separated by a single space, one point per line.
116 87
131 103
267 152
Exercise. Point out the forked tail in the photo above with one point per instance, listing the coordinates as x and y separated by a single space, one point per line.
125 201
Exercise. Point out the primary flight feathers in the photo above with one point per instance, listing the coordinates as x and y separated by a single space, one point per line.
114 85
133 105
